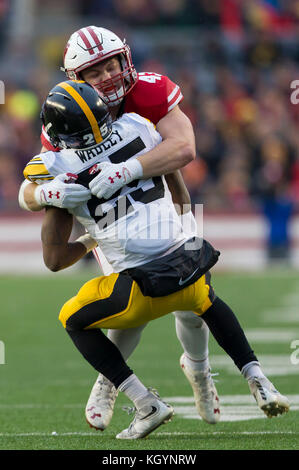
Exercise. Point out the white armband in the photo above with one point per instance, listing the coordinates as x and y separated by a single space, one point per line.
87 241
135 168
21 199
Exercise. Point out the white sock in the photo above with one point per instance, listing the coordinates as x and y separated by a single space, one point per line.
193 335
252 369
126 340
135 391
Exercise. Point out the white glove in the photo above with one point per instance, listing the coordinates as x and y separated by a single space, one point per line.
113 176
62 192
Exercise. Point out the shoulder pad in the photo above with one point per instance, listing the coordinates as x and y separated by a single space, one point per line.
36 171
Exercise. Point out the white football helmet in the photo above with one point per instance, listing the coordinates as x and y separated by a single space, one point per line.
91 45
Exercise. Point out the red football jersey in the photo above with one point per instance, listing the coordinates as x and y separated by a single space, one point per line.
152 97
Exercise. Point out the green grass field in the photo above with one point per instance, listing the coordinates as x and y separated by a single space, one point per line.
45 383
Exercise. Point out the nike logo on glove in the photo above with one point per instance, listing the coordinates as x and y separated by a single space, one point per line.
183 281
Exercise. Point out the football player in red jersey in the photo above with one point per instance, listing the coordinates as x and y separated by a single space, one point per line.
99 57
90 50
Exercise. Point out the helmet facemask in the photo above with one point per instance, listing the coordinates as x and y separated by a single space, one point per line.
113 90
84 140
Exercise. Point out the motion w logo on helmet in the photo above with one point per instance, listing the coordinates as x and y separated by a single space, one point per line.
91 40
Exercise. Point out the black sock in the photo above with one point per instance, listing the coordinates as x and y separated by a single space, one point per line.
228 333
102 354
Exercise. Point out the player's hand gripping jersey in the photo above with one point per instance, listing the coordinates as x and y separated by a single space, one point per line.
152 97
139 222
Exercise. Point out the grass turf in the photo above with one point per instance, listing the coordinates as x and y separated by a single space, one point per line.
45 382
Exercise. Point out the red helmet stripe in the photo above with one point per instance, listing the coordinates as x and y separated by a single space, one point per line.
66 49
95 38
86 41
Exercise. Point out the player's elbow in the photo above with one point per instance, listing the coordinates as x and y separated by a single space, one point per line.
186 148
54 267
188 153
191 153
52 261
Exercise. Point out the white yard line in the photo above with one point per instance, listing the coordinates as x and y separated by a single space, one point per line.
283 315
94 434
273 365
46 434
216 433
233 408
287 313
272 335
229 399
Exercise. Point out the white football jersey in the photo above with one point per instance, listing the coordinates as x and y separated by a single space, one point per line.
139 222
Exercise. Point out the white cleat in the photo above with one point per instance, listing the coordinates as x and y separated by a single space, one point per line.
147 419
267 397
205 393
100 405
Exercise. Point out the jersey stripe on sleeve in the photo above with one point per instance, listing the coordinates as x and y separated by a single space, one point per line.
36 171
174 98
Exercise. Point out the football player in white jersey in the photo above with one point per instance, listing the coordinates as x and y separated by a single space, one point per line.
153 275
100 57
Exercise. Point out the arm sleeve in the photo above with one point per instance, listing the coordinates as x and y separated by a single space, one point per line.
153 97
173 93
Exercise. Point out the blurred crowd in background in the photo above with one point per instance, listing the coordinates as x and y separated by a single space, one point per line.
234 60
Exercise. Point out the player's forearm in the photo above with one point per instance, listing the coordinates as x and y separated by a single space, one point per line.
57 258
179 192
69 254
177 148
58 252
169 156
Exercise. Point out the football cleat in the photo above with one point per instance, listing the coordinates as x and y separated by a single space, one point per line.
267 397
147 419
100 405
205 393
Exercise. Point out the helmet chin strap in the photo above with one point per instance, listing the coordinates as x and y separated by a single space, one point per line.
112 99
115 102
